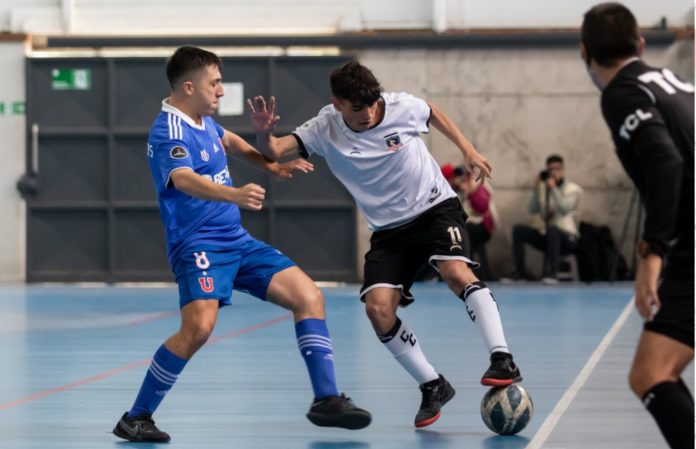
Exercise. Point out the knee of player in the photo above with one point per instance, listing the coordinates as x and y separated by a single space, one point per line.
198 334
458 276
379 311
313 299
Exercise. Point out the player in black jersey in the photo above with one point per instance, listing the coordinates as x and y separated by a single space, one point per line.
650 113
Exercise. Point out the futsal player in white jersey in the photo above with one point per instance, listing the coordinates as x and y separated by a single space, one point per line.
371 142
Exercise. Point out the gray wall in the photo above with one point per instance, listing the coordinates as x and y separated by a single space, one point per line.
99 17
12 151
518 106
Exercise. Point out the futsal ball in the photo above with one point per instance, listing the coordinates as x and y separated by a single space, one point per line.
506 410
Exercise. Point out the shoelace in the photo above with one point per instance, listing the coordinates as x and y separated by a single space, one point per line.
147 423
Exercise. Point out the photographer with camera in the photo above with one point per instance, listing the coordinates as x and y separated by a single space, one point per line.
554 229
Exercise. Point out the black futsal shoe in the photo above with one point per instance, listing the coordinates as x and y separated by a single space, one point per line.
140 429
436 393
338 411
502 372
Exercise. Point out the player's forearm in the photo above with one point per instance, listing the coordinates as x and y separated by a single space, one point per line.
199 187
662 193
256 159
267 144
449 129
656 167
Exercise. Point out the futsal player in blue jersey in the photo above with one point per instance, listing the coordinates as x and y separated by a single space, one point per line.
211 253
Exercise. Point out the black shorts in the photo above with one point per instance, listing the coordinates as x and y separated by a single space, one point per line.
397 254
675 319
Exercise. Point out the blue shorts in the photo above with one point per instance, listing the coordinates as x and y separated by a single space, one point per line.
209 272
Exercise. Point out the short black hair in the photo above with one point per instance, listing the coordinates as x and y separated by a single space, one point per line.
188 59
610 33
356 83
554 158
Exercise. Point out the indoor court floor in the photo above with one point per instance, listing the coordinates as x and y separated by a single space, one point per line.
73 358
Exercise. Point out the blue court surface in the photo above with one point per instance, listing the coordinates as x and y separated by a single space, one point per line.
73 358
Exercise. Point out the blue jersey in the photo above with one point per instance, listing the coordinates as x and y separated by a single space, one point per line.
176 142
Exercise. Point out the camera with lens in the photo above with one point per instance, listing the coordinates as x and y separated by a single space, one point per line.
544 175
461 171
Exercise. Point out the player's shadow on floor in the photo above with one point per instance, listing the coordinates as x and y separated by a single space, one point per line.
338 445
124 444
443 439
505 442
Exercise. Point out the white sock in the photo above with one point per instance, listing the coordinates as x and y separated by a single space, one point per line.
402 343
483 310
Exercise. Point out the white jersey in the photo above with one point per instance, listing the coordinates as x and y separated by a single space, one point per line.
388 168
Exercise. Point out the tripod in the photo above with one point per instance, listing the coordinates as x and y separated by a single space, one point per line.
635 200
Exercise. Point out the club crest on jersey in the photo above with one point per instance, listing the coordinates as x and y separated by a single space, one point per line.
207 284
205 156
311 123
178 153
393 141
202 261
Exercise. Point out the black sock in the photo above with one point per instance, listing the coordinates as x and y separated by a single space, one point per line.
673 410
391 333
686 390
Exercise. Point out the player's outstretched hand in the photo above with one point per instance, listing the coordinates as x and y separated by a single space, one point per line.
263 117
285 170
249 196
480 166
646 299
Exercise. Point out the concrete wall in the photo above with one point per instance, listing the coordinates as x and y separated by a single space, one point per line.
518 106
154 17
12 156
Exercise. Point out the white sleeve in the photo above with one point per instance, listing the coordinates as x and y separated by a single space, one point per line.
308 136
419 111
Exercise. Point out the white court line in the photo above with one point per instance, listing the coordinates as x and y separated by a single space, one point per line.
550 423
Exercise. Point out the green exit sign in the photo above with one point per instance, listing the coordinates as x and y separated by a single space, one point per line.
71 79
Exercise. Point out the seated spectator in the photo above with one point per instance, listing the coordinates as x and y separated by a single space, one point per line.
477 201
554 230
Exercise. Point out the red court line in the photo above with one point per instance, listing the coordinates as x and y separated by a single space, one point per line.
139 363
153 318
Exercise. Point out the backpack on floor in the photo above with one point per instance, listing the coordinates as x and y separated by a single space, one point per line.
597 254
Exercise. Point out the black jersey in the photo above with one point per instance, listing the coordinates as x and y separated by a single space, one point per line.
650 113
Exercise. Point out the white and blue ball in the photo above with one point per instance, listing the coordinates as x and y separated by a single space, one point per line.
507 410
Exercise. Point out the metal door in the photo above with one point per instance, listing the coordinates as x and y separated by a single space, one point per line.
92 211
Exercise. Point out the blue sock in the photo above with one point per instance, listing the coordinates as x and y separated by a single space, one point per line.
315 347
160 378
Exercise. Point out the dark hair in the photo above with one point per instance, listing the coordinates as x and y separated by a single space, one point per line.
554 158
188 59
609 33
356 83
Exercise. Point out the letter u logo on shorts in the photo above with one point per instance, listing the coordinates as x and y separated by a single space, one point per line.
207 284
202 261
